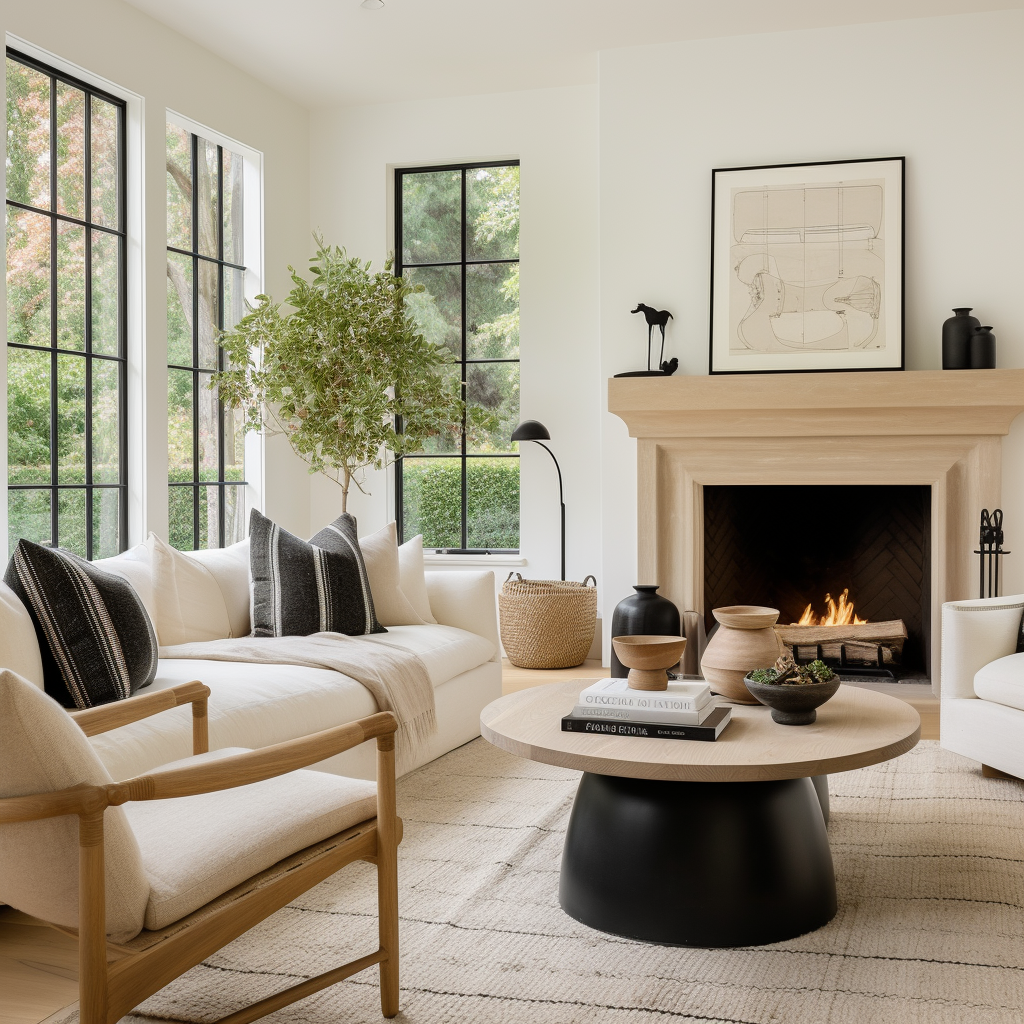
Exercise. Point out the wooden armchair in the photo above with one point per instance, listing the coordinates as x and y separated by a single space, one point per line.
116 976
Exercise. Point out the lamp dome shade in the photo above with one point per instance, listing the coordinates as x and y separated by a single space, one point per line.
531 430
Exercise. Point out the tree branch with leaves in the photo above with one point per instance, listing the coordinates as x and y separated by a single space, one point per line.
338 372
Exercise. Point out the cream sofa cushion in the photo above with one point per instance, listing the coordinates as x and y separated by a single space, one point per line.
190 605
197 847
380 555
19 646
1002 681
250 706
446 651
413 577
230 568
256 705
42 750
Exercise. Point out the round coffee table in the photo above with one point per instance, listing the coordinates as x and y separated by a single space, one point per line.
693 843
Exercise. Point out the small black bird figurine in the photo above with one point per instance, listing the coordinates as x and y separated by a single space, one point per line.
656 318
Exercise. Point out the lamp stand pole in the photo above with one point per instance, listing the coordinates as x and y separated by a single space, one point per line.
561 498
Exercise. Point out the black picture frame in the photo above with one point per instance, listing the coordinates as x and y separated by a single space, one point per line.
877 340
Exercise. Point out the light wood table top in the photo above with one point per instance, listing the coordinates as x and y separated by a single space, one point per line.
857 727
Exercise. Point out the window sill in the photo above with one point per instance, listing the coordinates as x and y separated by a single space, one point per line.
483 561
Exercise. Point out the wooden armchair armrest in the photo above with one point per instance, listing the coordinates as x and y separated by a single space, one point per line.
258 765
93 721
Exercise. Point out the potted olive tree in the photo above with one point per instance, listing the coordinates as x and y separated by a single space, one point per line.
340 370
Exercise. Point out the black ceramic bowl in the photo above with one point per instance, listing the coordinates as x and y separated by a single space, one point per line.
793 703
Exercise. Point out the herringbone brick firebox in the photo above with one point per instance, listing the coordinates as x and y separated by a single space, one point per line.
787 547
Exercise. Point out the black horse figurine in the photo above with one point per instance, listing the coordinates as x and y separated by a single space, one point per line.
655 318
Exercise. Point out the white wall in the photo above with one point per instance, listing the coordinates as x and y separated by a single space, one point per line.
554 133
113 40
944 92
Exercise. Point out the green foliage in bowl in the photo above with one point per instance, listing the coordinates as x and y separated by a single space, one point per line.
786 673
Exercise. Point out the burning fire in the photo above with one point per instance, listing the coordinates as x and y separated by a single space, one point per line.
840 613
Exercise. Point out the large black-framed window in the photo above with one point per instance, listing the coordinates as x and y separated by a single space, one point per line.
66 311
205 295
457 235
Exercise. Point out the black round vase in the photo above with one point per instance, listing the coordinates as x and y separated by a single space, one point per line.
983 349
956 339
644 613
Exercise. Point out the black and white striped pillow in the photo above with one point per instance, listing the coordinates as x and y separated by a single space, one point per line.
95 638
301 587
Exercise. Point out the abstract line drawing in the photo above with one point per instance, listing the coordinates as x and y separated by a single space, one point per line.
807 267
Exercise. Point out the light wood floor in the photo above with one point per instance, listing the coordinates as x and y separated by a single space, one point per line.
39 967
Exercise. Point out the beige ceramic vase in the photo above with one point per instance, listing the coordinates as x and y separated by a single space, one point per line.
744 641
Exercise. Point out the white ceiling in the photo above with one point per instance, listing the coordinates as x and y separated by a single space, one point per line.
328 52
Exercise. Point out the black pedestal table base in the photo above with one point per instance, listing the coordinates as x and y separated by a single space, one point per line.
699 863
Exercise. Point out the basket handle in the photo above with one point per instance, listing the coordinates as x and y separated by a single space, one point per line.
594 578
520 575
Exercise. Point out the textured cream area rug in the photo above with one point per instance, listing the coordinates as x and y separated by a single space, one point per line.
929 859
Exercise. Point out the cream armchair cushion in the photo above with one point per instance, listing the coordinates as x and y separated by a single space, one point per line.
1002 681
41 751
974 633
197 847
19 646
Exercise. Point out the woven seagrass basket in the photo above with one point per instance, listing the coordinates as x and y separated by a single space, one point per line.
547 623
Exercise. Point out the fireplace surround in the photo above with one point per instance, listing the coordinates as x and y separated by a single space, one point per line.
935 429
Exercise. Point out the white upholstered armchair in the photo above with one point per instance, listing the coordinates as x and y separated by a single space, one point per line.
156 873
982 684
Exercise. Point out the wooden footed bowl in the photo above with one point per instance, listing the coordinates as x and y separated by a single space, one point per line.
648 659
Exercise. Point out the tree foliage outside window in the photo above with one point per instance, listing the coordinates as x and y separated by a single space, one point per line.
205 295
458 237
65 311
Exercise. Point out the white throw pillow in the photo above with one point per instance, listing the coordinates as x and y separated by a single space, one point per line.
380 555
44 751
19 648
413 577
190 606
230 568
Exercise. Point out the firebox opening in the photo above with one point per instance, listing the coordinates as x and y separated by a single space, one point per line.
789 547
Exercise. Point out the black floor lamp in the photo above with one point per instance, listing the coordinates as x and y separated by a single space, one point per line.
534 430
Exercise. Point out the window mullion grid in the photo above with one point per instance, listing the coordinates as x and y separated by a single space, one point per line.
399 482
88 329
465 378
221 491
195 343
122 328
54 504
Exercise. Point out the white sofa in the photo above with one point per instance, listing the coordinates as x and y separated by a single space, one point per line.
257 705
982 686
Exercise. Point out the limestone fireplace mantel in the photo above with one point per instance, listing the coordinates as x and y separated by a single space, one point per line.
933 427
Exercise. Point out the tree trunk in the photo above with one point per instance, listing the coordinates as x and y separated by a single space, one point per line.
346 479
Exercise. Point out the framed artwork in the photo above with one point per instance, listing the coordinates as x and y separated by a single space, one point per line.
807 267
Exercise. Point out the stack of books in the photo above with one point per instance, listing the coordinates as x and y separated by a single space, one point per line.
685 711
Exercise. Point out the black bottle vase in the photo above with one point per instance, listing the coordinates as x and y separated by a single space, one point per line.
644 613
956 339
983 349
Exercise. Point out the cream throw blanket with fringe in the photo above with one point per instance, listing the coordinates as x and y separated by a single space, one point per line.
397 678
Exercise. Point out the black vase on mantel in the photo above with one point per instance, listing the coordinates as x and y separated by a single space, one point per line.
956 339
645 613
983 349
